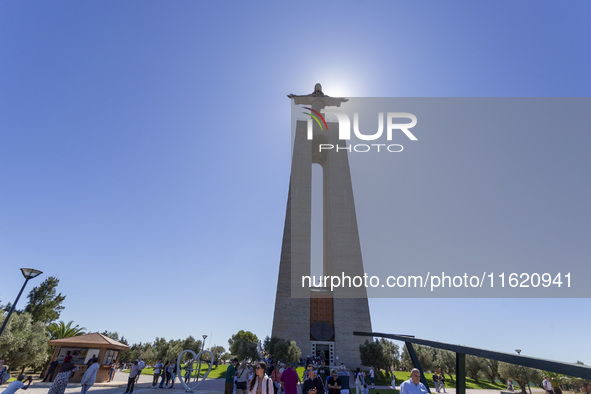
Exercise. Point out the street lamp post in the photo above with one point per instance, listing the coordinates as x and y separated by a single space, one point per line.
28 273
524 373
201 356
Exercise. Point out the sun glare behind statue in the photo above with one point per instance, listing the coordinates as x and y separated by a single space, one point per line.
336 89
335 85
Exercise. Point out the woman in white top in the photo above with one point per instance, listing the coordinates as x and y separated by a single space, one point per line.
261 383
358 381
242 378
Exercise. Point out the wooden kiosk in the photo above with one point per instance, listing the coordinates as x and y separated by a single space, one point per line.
83 348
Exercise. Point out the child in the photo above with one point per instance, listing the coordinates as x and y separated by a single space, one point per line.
365 389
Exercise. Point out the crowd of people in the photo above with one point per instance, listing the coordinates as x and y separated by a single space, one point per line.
268 377
265 377
61 380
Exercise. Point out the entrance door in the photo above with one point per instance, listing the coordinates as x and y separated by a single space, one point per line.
323 351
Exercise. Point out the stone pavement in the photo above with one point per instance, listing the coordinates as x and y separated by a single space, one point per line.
210 386
119 384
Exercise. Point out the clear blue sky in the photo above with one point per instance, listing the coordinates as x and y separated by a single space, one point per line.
145 149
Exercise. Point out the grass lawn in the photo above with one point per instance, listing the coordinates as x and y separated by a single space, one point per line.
217 372
381 380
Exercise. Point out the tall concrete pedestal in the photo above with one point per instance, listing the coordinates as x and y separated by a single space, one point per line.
319 320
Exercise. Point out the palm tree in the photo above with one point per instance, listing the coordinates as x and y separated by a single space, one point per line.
61 330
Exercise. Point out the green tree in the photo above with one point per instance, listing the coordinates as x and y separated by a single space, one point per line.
474 365
516 373
380 354
557 380
269 345
425 354
243 345
132 354
24 342
217 351
148 354
173 351
45 305
287 351
160 347
243 335
446 362
115 335
490 369
61 330
191 343
244 350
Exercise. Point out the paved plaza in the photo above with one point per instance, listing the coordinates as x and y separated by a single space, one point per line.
210 386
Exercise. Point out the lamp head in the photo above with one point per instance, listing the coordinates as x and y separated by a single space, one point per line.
518 351
30 273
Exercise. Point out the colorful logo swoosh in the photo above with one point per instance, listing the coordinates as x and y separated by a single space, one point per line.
315 115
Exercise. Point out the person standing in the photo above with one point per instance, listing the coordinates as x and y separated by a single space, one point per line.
141 364
172 370
343 374
324 371
314 384
334 383
547 384
290 380
18 384
413 385
112 370
163 374
358 381
63 377
510 385
89 376
260 383
167 373
133 374
188 371
50 371
371 377
242 378
436 381
442 383
276 378
230 373
157 369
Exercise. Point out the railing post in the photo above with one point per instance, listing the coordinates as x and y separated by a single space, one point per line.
460 373
417 364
